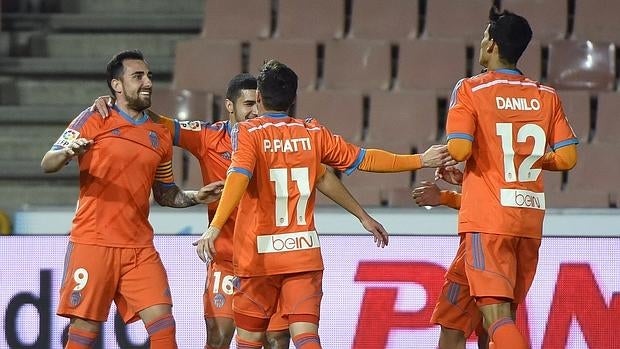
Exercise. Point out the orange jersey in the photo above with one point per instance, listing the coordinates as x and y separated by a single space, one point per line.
275 231
210 144
116 176
511 120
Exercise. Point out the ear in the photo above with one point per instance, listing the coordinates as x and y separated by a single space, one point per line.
117 85
229 106
491 46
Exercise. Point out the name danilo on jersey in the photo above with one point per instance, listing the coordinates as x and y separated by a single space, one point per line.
517 103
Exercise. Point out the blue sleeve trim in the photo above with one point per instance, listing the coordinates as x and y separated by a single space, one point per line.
177 132
241 170
460 136
564 143
166 185
358 161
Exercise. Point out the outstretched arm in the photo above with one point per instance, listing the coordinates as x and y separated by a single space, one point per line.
429 194
234 188
333 188
170 195
377 160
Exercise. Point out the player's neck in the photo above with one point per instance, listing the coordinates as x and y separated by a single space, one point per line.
134 114
497 64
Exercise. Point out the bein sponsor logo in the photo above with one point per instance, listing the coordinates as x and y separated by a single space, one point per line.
303 240
522 199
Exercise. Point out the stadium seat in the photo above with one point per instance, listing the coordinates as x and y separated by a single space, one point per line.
357 64
449 19
597 20
577 109
584 65
301 56
548 18
372 188
595 169
206 65
607 120
430 64
402 118
552 180
576 198
182 104
341 111
384 20
530 62
313 20
222 19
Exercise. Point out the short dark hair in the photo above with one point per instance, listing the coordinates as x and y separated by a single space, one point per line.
277 85
511 33
240 82
115 66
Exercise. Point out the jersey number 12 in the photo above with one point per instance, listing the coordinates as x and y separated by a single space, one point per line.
526 172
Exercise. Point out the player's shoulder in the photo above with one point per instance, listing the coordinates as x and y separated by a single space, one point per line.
84 117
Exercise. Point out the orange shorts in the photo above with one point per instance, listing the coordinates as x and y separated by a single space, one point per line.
94 276
456 308
218 295
260 297
500 266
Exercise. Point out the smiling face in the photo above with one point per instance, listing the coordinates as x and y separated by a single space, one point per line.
134 85
244 107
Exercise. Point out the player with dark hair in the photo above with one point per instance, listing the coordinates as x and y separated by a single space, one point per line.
500 123
211 145
110 256
277 256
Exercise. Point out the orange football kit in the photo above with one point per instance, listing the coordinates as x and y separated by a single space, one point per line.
211 145
509 121
111 256
275 167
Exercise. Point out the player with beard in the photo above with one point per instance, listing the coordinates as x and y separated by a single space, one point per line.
111 256
211 145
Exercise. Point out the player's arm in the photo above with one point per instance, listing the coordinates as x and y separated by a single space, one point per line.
562 159
167 193
377 160
429 194
333 188
55 159
73 142
461 122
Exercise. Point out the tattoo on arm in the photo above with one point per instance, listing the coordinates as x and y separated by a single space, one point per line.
173 196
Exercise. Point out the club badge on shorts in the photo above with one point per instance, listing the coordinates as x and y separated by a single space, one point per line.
76 298
219 300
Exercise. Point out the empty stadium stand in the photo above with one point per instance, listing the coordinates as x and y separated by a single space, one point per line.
379 73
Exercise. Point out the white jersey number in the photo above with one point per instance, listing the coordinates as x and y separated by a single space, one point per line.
226 283
280 177
526 172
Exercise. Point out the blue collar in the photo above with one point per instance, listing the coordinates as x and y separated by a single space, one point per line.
276 115
142 119
227 126
509 71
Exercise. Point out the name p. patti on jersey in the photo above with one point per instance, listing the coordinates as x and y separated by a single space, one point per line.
286 145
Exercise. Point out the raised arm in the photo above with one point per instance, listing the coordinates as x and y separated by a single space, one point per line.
333 188
56 159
